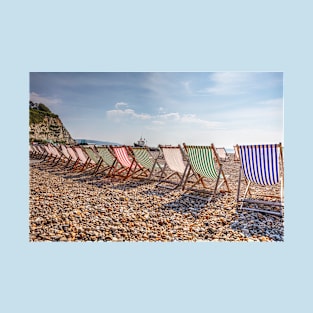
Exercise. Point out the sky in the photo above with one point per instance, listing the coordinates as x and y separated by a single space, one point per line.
198 108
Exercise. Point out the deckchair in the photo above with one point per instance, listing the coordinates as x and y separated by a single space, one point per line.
109 161
85 162
175 166
144 157
262 168
94 156
53 155
223 155
128 164
236 154
71 156
206 167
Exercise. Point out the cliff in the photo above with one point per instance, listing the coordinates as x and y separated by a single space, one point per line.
46 126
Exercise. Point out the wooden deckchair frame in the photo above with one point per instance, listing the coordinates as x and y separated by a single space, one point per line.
109 161
144 157
222 153
164 181
259 199
194 161
129 167
94 157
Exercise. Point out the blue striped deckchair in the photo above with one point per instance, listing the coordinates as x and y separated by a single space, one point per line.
175 166
144 157
261 166
204 165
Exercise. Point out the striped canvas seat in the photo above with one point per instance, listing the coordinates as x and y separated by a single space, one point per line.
128 165
94 157
261 165
204 164
222 154
175 165
145 159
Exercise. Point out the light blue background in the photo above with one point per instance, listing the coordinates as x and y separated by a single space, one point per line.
156 36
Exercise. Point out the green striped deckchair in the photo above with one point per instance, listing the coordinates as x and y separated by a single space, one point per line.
204 165
144 157
94 156
108 159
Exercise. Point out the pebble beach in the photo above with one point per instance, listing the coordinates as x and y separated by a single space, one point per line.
66 206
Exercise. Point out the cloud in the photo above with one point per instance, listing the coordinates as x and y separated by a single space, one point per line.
121 104
48 101
128 113
161 118
228 83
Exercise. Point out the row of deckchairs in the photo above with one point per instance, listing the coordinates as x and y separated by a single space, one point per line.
197 170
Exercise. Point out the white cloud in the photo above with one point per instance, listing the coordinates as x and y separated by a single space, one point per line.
228 83
48 101
117 114
121 104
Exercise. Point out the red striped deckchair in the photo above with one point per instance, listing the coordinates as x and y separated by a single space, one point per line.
129 166
175 165
144 157
262 168
207 169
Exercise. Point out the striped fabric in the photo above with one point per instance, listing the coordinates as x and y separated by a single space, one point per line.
122 156
174 159
143 157
260 163
106 155
81 154
92 155
202 161
72 153
64 151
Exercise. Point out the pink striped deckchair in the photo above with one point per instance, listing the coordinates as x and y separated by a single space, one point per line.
124 159
84 161
205 166
53 155
175 167
261 166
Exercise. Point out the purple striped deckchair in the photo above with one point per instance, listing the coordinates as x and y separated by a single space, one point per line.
261 166
206 167
128 165
175 165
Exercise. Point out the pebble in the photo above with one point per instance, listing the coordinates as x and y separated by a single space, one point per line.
66 206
